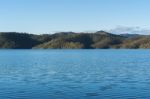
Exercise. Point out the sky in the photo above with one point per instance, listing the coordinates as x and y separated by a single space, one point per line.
49 16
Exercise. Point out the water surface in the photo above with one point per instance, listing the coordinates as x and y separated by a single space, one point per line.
74 74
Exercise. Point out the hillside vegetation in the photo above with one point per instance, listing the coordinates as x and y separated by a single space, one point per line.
70 40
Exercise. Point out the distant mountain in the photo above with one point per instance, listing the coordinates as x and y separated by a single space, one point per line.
131 35
71 40
129 30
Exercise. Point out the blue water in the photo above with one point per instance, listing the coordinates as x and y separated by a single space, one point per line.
74 74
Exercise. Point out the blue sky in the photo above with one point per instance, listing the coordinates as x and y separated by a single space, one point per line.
48 16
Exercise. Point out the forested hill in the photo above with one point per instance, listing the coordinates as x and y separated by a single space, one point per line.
71 40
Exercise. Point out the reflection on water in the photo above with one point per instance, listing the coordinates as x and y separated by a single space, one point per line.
74 74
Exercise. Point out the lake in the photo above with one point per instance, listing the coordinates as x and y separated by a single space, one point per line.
75 74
